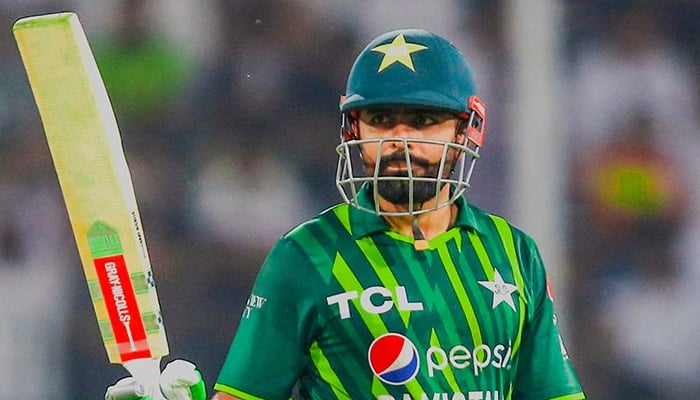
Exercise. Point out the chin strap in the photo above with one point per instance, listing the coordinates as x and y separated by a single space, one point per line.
419 241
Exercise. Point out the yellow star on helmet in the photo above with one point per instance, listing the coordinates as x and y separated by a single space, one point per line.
398 51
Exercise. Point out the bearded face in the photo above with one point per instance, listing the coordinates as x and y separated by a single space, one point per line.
395 184
408 155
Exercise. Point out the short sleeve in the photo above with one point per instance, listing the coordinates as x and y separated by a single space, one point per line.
270 349
544 368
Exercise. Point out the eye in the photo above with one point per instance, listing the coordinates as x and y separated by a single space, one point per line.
424 119
379 119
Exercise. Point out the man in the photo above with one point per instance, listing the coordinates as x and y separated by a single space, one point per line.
405 291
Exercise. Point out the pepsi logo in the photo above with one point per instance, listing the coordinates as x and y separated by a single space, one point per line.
393 359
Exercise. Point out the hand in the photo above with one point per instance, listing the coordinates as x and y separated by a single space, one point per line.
180 380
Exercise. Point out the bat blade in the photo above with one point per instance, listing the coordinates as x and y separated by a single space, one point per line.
87 152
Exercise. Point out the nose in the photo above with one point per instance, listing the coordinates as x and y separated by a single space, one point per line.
399 132
402 130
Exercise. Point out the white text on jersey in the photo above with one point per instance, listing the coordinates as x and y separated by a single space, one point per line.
472 395
374 300
254 302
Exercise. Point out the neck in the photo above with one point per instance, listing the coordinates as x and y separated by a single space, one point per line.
431 224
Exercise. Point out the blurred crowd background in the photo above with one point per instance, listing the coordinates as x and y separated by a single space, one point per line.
229 115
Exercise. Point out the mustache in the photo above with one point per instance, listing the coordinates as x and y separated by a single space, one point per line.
400 156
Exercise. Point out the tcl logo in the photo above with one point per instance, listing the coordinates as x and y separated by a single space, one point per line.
374 300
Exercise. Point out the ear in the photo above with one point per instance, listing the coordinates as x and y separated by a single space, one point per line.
461 130
351 126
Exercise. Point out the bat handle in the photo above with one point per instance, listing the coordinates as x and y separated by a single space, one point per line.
146 371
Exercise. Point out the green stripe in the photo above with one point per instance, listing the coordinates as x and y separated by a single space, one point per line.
575 396
383 271
489 270
487 266
481 254
327 373
313 242
374 323
219 387
445 237
310 243
343 214
449 374
349 282
462 297
378 388
433 294
506 235
399 237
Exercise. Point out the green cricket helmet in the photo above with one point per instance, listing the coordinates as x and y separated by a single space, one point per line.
410 67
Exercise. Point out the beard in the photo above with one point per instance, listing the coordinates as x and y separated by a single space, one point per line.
398 191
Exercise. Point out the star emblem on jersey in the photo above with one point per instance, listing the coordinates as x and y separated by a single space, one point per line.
502 291
398 51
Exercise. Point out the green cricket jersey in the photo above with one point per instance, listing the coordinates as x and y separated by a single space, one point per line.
344 308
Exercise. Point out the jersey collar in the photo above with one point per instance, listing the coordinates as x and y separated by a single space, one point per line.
364 223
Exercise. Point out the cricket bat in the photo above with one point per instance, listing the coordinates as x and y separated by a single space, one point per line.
86 149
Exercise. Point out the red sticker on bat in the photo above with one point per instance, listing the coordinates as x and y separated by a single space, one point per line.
123 310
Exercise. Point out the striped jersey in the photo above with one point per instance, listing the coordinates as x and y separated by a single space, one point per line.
345 308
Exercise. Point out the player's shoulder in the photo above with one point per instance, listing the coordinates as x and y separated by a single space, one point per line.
312 242
498 231
325 223
488 222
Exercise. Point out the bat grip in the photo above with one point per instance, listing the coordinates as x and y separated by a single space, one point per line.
146 371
